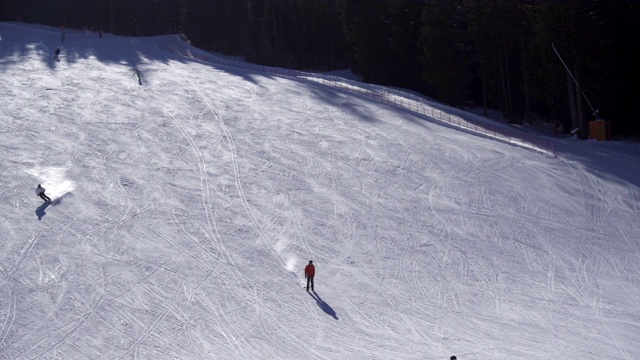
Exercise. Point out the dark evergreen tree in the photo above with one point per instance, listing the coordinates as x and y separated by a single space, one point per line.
445 51
3 10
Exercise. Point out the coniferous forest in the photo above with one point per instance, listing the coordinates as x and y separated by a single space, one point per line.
492 54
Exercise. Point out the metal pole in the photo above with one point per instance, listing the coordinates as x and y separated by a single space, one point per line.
595 112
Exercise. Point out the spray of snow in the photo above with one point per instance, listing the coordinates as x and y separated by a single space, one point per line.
53 179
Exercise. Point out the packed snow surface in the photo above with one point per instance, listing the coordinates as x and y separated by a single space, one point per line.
185 209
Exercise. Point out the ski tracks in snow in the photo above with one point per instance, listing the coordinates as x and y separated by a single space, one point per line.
10 307
213 233
234 162
237 281
258 228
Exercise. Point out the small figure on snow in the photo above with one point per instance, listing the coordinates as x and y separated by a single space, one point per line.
56 54
40 192
453 357
63 36
309 273
136 72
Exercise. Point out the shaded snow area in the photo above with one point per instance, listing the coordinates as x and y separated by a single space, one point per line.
185 209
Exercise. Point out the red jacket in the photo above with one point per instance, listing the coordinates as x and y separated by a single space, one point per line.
310 270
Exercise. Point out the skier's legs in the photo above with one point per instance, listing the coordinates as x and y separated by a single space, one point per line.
310 278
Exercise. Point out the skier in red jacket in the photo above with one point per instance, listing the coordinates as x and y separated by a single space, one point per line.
309 273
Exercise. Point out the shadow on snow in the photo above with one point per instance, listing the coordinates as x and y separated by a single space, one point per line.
41 210
19 41
323 305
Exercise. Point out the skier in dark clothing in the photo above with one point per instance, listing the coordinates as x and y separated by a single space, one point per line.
40 192
56 53
309 273
136 72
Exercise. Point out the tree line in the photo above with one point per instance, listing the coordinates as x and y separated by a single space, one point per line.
507 55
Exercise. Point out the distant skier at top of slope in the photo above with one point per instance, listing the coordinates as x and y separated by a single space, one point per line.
40 193
309 273
136 72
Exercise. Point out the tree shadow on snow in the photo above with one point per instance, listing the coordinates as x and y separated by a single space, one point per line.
24 40
41 210
323 305
21 41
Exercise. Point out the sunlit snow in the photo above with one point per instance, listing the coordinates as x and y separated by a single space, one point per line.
185 209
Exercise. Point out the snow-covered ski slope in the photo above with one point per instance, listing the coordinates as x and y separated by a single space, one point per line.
185 210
